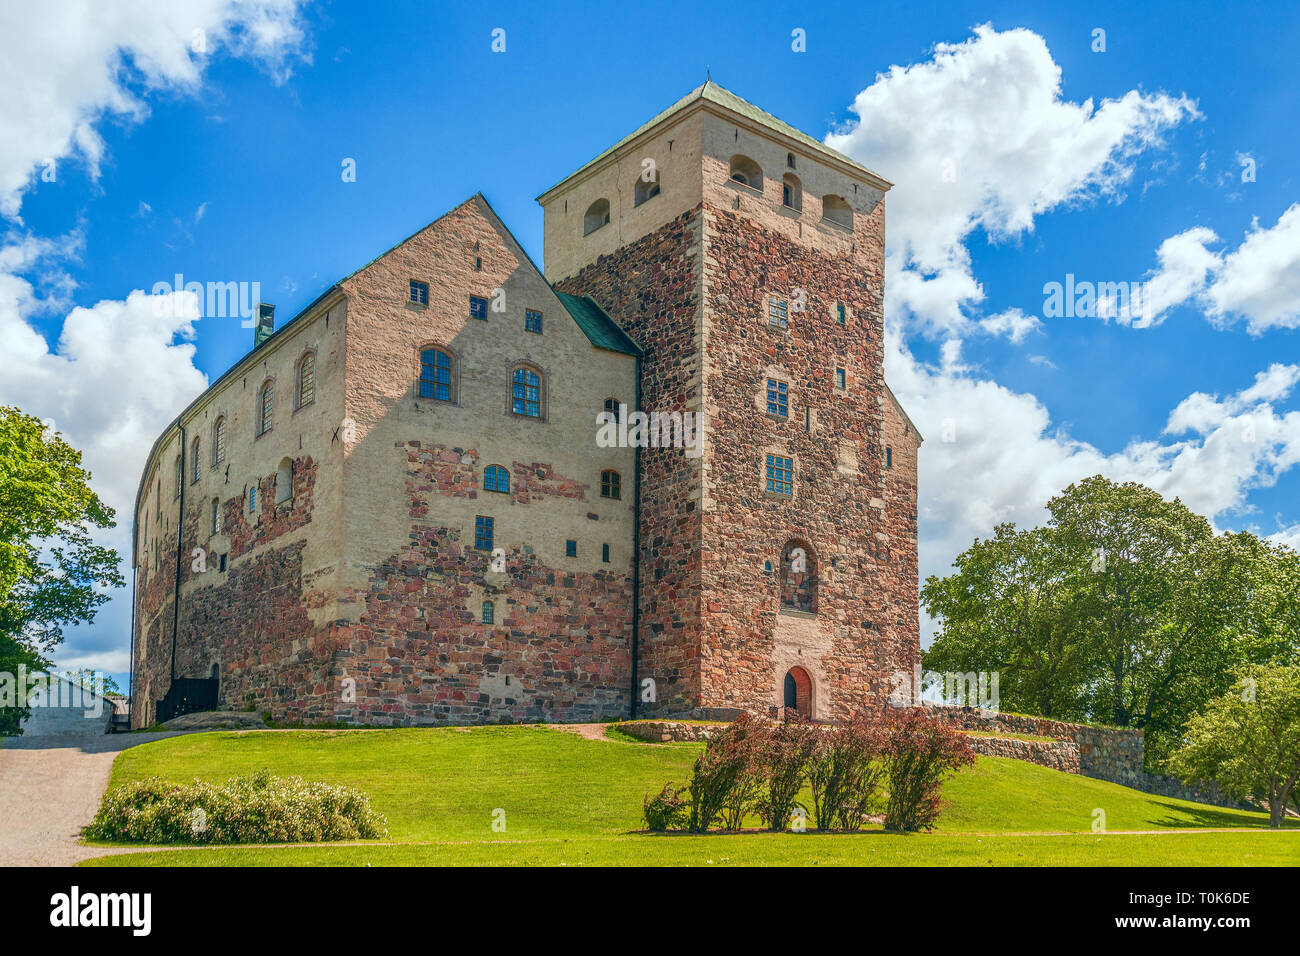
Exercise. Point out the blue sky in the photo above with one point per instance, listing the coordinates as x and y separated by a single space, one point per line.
226 167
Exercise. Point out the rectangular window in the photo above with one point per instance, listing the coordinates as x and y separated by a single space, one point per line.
778 312
419 292
778 399
483 533
252 499
840 313
839 378
780 474
222 565
604 553
477 307
532 321
216 516
489 612
570 549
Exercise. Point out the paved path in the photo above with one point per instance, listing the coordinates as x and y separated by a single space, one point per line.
50 788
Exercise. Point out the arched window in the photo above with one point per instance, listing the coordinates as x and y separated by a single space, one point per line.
798 577
307 380
746 172
789 160
196 460
611 484
645 189
435 375
489 612
597 215
791 192
216 516
219 441
252 498
265 408
284 482
496 478
526 391
836 210
611 406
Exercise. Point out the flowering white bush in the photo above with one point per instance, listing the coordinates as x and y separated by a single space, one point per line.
255 809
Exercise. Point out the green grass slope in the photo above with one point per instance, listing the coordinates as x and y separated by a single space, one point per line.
574 801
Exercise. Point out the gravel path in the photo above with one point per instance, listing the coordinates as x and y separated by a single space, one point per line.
50 788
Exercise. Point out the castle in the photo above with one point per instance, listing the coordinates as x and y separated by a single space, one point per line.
405 507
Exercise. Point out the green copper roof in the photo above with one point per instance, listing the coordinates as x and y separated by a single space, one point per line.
728 100
596 324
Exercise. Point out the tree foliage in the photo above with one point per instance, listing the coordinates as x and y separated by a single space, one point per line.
52 573
1248 740
1124 608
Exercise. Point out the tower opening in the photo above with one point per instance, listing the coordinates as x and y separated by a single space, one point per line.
798 692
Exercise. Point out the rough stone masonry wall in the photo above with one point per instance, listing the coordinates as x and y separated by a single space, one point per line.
856 522
420 654
253 620
650 287
414 648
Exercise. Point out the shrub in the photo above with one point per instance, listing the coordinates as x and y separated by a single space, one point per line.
666 810
727 758
254 809
844 773
919 752
788 748
752 738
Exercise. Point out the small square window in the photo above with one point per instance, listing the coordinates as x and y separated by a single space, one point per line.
840 314
483 533
570 548
477 307
419 292
839 378
778 398
780 474
778 312
604 553
532 321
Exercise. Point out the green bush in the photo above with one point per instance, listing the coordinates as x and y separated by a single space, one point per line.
254 809
665 811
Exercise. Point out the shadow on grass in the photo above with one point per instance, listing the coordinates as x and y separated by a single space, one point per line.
1206 816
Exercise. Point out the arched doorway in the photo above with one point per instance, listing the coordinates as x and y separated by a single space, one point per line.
798 692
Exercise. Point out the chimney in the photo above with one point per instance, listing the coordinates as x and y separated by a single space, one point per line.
265 324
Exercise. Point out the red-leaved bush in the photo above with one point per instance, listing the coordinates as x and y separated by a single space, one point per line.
919 752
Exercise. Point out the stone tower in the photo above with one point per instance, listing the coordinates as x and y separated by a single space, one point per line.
746 260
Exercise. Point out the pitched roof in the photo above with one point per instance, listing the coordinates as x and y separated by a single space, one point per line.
713 93
602 331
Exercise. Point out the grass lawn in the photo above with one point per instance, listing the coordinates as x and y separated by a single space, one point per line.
569 800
